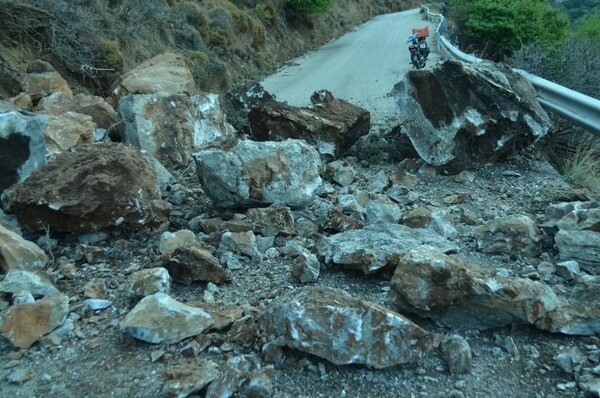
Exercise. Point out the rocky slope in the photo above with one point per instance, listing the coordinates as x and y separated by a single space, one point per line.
195 259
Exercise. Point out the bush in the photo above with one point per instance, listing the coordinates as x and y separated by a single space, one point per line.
265 12
504 26
582 169
311 6
210 74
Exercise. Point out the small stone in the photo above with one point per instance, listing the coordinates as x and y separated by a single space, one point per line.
149 281
457 354
95 290
97 304
570 360
306 267
568 270
22 297
93 254
68 270
258 385
161 319
19 376
591 387
93 343
189 378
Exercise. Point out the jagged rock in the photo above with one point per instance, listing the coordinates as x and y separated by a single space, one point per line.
376 246
578 312
514 234
171 241
94 187
167 72
21 101
24 281
457 354
222 314
43 81
381 209
22 146
240 243
149 281
258 384
160 319
260 173
337 221
459 116
172 126
578 236
191 264
581 246
231 376
460 295
189 378
240 100
331 125
306 267
18 253
67 130
591 387
272 220
333 325
102 114
340 172
23 324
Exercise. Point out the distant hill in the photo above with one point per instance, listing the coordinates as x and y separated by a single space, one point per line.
576 9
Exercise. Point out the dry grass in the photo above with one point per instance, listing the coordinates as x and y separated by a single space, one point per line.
582 168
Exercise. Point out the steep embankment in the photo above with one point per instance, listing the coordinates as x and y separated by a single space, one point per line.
92 43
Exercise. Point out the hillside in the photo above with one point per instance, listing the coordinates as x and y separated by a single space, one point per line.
92 42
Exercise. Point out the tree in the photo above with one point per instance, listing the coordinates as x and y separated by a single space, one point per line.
589 27
504 26
311 6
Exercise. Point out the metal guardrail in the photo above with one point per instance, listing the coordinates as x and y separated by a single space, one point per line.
579 108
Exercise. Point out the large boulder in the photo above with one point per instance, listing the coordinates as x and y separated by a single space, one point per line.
22 146
461 295
96 107
253 173
172 126
331 125
378 245
167 72
94 187
41 80
342 329
459 116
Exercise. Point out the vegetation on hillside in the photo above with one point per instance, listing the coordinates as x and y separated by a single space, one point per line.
497 28
92 42
577 9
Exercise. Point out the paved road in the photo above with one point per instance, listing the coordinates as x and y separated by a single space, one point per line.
361 66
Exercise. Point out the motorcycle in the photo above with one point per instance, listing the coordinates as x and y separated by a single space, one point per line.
419 50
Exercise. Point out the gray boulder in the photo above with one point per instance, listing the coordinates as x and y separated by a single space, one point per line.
459 116
377 245
342 329
253 173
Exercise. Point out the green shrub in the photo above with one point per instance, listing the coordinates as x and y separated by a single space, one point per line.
507 25
582 169
311 6
210 74
265 12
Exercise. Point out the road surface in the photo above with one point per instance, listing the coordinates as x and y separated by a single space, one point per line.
361 66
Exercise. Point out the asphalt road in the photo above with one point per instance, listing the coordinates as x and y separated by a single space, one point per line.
361 67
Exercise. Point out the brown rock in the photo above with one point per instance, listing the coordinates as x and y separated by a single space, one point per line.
191 264
333 325
167 72
65 131
95 187
18 253
43 83
100 111
333 125
24 324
